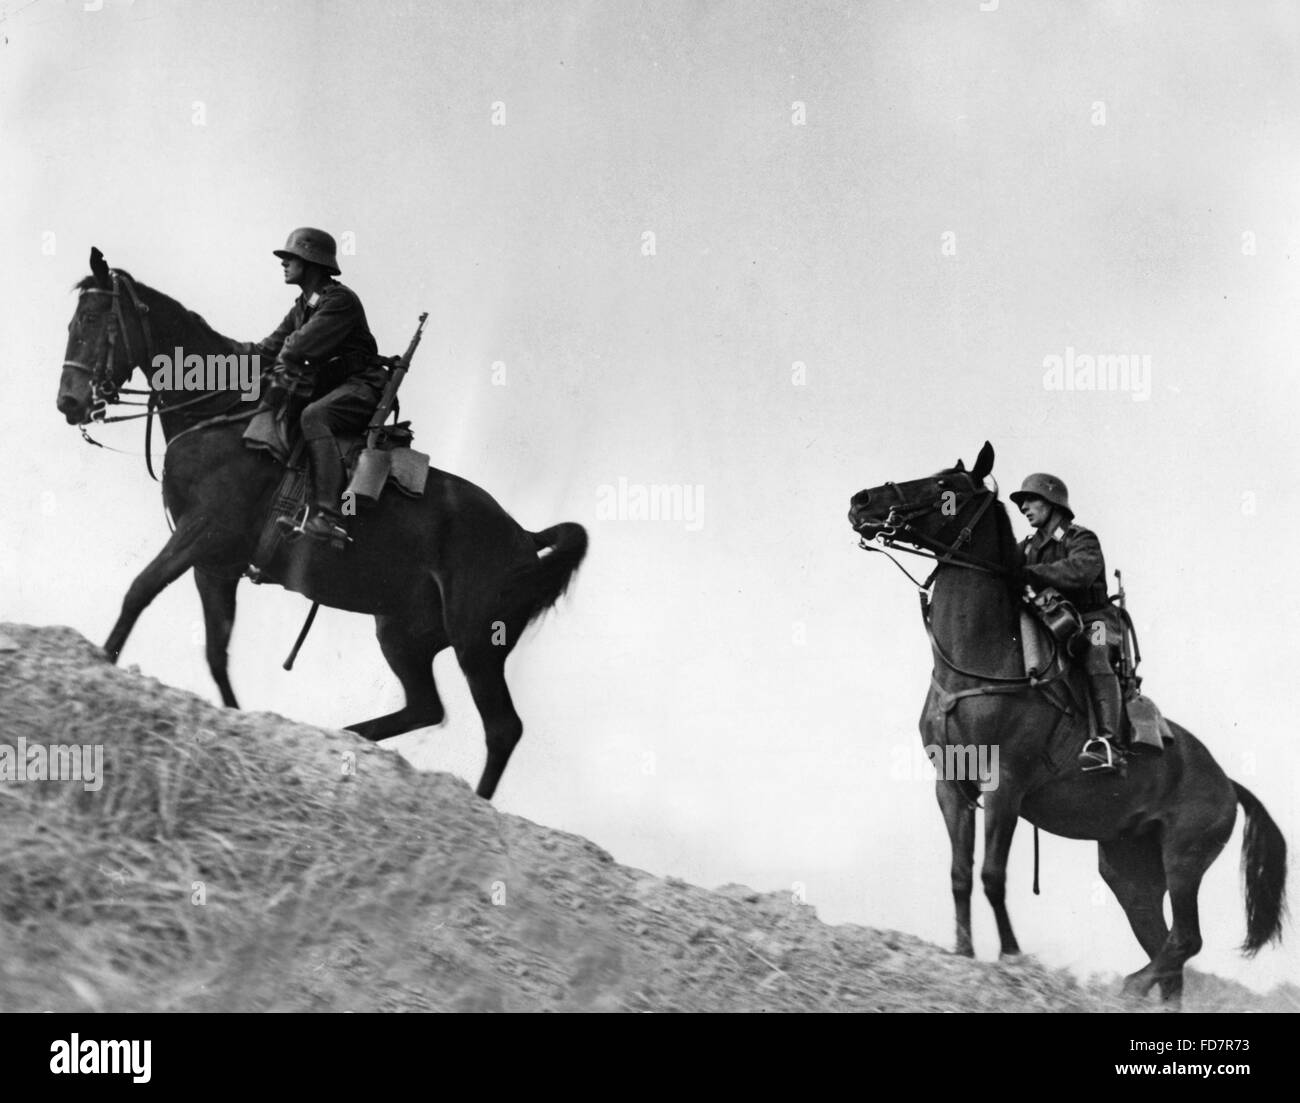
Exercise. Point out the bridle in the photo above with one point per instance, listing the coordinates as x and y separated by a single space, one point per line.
104 388
901 534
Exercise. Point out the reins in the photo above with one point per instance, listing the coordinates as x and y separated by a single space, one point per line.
898 525
105 392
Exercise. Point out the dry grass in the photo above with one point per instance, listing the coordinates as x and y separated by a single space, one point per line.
334 877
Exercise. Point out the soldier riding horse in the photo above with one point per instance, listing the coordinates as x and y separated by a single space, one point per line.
448 569
1158 824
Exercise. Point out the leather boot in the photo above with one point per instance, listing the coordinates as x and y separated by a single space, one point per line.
1099 752
326 523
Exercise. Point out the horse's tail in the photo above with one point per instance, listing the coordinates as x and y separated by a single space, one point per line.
1263 868
534 587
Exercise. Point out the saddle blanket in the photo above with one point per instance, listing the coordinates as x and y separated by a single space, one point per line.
408 471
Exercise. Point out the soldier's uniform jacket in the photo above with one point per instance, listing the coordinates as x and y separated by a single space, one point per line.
323 342
1068 558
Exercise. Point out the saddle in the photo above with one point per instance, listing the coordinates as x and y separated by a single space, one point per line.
1047 661
408 470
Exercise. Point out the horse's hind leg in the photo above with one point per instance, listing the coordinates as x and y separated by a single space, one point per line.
217 593
1185 857
1135 872
409 651
484 666
959 815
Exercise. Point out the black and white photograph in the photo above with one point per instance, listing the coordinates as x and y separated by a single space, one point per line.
650 506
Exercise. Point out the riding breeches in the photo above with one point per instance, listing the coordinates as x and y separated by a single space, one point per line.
1102 630
346 409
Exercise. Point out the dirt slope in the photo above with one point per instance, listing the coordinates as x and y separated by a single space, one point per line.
241 861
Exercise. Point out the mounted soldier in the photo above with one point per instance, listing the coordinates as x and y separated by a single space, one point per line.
1067 557
328 376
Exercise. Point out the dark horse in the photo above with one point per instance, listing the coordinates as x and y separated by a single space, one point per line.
448 569
1158 824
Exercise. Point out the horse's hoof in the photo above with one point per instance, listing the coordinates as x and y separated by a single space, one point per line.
964 950
1135 988
1012 959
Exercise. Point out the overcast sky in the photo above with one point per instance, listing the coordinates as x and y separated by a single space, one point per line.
873 226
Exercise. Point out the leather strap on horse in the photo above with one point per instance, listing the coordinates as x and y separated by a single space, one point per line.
148 435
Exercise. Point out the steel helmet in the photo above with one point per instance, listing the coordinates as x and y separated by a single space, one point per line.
1047 487
311 245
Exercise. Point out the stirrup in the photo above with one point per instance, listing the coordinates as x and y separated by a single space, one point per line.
332 533
291 524
1087 755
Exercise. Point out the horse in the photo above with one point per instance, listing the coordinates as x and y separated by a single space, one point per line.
449 569
1158 824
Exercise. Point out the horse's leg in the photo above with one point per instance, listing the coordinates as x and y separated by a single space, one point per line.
1135 873
217 592
484 635
484 667
1000 817
410 653
177 556
959 816
1186 856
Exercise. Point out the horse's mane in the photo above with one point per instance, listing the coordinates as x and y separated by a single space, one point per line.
1006 538
1006 541
184 314
1006 544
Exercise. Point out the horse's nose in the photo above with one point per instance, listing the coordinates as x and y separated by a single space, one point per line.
68 408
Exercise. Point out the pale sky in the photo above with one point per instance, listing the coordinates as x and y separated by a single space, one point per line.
919 203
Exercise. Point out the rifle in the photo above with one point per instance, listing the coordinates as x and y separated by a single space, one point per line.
372 465
1127 642
396 375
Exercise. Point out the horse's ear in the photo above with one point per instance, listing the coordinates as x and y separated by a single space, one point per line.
959 466
983 463
99 267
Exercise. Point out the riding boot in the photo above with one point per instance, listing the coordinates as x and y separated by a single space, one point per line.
326 523
1099 752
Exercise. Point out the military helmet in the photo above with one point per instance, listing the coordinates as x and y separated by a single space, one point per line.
311 245
1047 487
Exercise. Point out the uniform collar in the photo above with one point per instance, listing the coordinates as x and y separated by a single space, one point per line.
312 301
1044 536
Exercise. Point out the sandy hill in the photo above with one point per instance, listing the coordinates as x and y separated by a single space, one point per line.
241 861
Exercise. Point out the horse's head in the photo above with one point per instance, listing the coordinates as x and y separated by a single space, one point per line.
919 511
105 339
